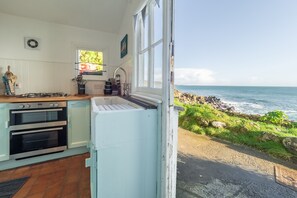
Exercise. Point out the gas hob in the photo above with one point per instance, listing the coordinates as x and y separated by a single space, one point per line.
42 95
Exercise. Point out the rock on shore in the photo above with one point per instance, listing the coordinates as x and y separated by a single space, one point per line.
215 102
188 98
291 144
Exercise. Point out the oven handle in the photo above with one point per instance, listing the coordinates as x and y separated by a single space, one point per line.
36 111
37 131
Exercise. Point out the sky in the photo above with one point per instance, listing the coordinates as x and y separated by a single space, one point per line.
236 42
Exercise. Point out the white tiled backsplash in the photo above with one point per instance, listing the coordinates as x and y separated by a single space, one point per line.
39 76
43 76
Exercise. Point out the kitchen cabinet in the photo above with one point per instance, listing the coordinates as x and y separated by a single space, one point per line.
4 132
78 123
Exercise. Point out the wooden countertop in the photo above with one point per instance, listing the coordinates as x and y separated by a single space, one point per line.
12 99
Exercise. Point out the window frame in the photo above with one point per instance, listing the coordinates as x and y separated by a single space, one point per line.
104 75
140 51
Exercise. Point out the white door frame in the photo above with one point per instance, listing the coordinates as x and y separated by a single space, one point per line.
166 187
169 115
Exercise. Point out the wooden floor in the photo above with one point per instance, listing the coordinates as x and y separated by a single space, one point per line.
61 178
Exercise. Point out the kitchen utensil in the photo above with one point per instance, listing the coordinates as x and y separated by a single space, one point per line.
9 80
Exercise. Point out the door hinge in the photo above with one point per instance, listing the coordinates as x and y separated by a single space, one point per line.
172 48
172 77
172 62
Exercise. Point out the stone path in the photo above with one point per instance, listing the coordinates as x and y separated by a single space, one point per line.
208 167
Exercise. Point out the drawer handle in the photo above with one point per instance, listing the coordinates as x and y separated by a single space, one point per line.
36 131
36 111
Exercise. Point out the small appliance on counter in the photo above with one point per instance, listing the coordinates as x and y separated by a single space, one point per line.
118 84
113 86
108 87
81 89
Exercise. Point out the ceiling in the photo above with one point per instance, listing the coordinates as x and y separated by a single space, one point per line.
102 15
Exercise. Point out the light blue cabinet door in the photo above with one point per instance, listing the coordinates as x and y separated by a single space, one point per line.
4 133
78 123
127 144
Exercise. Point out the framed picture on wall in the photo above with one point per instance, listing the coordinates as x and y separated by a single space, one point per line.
124 46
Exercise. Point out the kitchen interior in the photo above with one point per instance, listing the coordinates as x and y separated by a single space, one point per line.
60 120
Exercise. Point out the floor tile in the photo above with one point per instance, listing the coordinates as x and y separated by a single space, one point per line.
60 178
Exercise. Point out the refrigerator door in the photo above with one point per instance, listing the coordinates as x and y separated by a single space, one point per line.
126 144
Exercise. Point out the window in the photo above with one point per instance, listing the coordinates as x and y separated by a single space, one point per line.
90 64
149 45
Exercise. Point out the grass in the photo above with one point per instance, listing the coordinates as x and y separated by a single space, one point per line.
238 130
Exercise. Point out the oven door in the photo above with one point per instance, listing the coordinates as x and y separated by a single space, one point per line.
27 143
37 118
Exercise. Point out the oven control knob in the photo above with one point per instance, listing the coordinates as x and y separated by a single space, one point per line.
21 106
56 105
51 105
27 106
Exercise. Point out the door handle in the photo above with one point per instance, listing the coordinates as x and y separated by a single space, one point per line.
36 111
37 131
6 124
69 121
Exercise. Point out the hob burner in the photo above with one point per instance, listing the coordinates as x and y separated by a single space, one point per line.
42 95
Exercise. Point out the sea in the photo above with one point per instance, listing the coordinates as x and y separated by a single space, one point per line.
251 100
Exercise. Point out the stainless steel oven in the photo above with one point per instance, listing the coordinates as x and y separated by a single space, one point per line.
37 114
37 128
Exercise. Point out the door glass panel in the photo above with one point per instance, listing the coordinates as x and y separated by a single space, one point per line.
158 54
140 70
42 140
158 21
145 32
38 117
143 70
146 69
33 117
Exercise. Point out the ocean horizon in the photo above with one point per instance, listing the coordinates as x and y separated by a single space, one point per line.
273 86
251 99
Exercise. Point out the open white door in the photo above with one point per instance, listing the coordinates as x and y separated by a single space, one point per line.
169 113
145 85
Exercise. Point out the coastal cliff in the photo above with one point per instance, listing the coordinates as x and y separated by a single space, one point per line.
210 116
217 103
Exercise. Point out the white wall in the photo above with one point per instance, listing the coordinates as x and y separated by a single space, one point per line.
51 68
127 27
